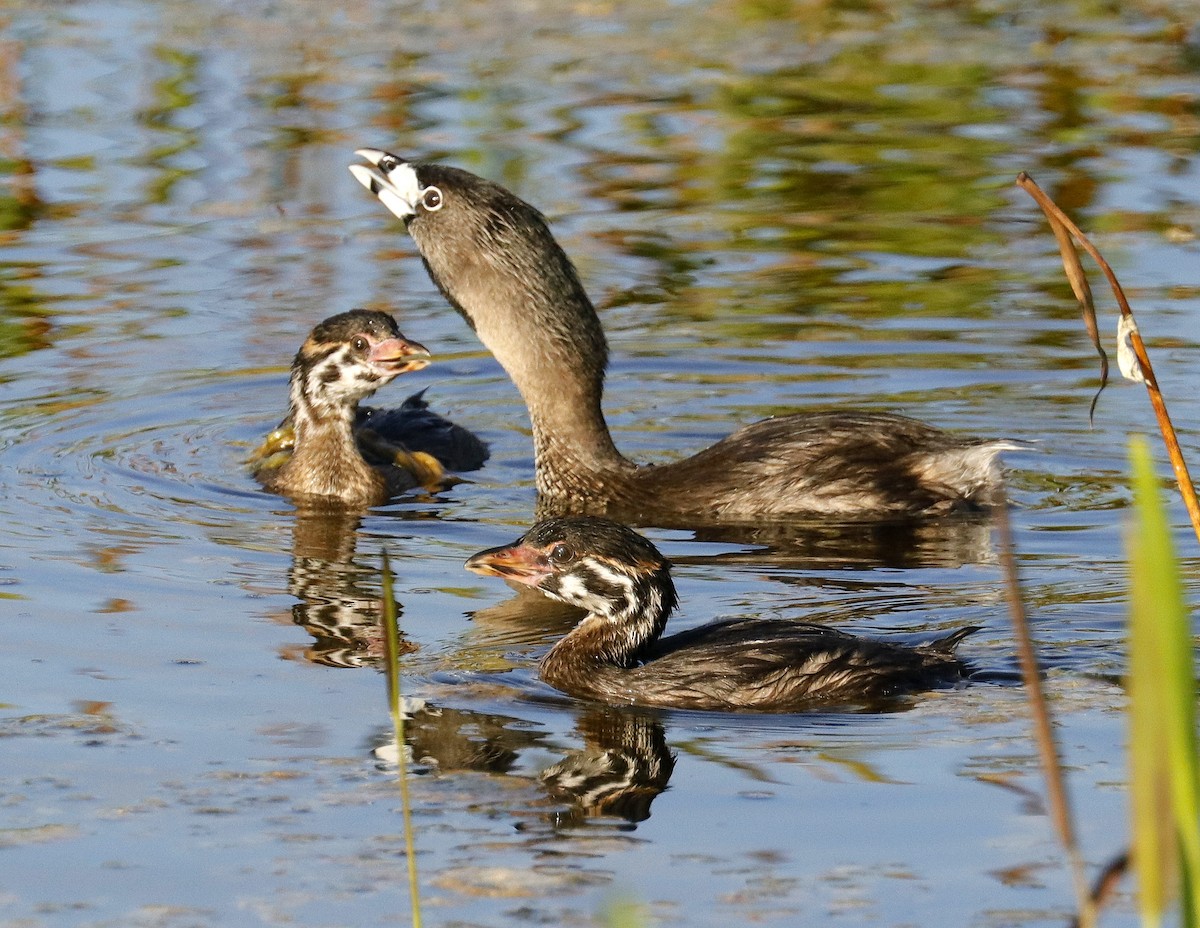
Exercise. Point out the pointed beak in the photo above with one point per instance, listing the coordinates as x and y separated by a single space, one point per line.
512 562
399 355
374 155
391 179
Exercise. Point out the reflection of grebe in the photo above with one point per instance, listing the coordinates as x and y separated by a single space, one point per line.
625 763
338 599
494 258
450 739
615 654
344 360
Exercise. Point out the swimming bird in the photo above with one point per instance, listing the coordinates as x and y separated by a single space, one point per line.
493 257
345 359
416 427
615 654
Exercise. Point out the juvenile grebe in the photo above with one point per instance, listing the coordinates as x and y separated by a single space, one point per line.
615 654
412 430
493 257
345 359
414 426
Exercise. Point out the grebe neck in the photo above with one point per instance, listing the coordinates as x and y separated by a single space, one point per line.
557 354
618 636
326 459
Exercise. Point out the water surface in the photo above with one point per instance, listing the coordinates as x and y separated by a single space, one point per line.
776 206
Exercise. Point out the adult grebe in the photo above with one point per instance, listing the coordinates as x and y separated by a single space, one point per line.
493 257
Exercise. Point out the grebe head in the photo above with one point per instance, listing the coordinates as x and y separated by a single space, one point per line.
407 188
494 258
348 357
595 564
452 211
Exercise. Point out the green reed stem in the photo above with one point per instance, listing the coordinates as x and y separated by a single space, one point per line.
391 629
1164 774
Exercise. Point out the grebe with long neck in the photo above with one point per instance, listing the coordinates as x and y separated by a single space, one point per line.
494 259
344 360
616 655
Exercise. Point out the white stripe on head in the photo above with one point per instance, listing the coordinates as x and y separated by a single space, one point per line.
654 602
615 577
618 602
574 591
397 204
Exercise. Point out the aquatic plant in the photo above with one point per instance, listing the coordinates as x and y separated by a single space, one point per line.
1164 781
391 632
1164 773
1043 724
1132 357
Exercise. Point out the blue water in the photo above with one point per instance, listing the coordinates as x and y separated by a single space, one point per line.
775 206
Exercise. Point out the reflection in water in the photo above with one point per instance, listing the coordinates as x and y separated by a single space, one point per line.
339 600
527 615
623 765
950 541
450 739
24 323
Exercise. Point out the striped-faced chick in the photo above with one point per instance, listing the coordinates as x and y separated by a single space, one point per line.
598 565
345 359
348 357
615 654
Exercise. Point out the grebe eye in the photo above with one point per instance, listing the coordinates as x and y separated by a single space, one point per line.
431 199
359 343
562 554
388 163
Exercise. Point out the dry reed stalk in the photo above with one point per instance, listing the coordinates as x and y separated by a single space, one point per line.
1064 230
1043 724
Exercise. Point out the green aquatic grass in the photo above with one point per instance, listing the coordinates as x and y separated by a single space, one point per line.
391 630
624 913
1164 788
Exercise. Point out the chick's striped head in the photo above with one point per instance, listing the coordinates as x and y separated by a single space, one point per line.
349 356
595 564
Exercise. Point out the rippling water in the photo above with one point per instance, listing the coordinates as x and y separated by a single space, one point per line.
775 205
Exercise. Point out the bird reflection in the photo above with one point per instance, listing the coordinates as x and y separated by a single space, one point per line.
339 600
526 618
459 739
952 541
623 764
